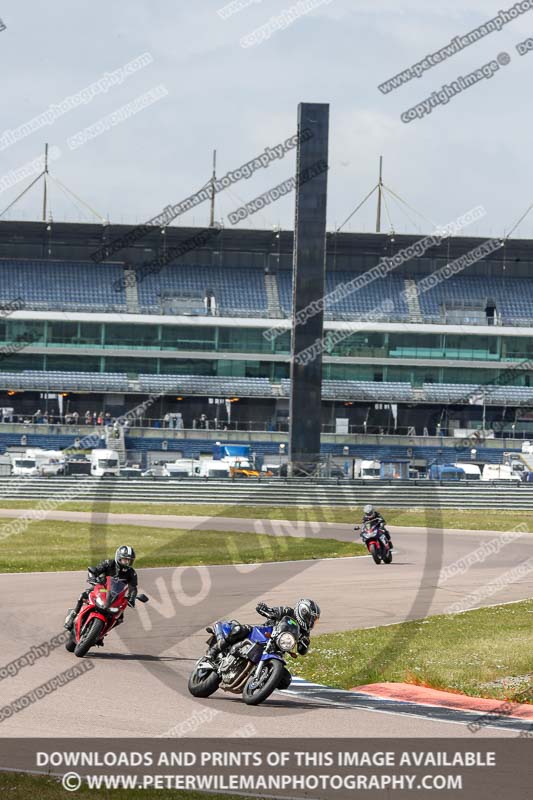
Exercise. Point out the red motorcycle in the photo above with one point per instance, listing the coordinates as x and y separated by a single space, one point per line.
103 611
376 541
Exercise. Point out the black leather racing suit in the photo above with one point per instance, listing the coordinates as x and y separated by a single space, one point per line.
239 631
105 569
374 518
276 613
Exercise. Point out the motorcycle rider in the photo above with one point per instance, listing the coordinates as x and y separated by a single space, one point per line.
119 567
372 516
306 613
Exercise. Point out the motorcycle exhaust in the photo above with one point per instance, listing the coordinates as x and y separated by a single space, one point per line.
237 685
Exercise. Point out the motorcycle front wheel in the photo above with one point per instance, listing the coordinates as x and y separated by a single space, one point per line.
89 637
256 690
203 681
375 554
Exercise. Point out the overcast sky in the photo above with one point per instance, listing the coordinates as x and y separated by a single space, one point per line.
218 94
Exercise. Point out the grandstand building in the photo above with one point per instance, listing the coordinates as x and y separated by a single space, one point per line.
108 333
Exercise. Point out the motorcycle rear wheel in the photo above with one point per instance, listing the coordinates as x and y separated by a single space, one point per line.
253 694
89 637
201 684
375 554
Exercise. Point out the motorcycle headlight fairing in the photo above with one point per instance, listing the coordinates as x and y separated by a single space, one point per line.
100 602
286 641
114 609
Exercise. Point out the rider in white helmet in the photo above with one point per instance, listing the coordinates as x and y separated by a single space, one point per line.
372 515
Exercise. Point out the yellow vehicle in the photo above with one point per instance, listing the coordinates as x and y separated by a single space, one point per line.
242 469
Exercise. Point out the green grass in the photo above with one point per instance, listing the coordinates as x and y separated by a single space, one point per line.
472 519
462 653
49 545
21 787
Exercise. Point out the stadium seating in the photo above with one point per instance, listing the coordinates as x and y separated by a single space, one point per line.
214 386
513 296
474 393
65 381
86 286
357 304
199 384
73 286
238 291
392 391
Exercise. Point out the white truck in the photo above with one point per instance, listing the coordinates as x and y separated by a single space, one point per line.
104 462
212 468
472 471
36 462
182 468
370 470
5 465
499 472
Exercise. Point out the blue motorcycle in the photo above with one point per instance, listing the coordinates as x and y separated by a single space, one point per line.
254 665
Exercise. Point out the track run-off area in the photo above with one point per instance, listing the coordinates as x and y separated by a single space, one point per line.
138 683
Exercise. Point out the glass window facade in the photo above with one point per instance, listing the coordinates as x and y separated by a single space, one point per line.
377 346
222 339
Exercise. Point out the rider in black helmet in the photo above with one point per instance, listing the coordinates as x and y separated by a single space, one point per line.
119 567
371 515
305 612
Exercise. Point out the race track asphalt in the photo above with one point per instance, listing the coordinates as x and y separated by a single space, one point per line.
148 659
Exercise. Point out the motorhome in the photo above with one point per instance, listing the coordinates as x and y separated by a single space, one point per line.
36 462
370 470
182 468
472 471
213 468
104 462
499 472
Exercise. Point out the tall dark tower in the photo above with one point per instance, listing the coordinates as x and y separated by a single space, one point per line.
309 265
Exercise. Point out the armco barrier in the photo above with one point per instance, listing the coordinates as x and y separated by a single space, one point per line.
295 492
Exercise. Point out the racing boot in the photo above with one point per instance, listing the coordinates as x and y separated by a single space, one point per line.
69 619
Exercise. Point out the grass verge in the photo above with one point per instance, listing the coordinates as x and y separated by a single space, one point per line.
49 545
482 653
472 519
21 787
